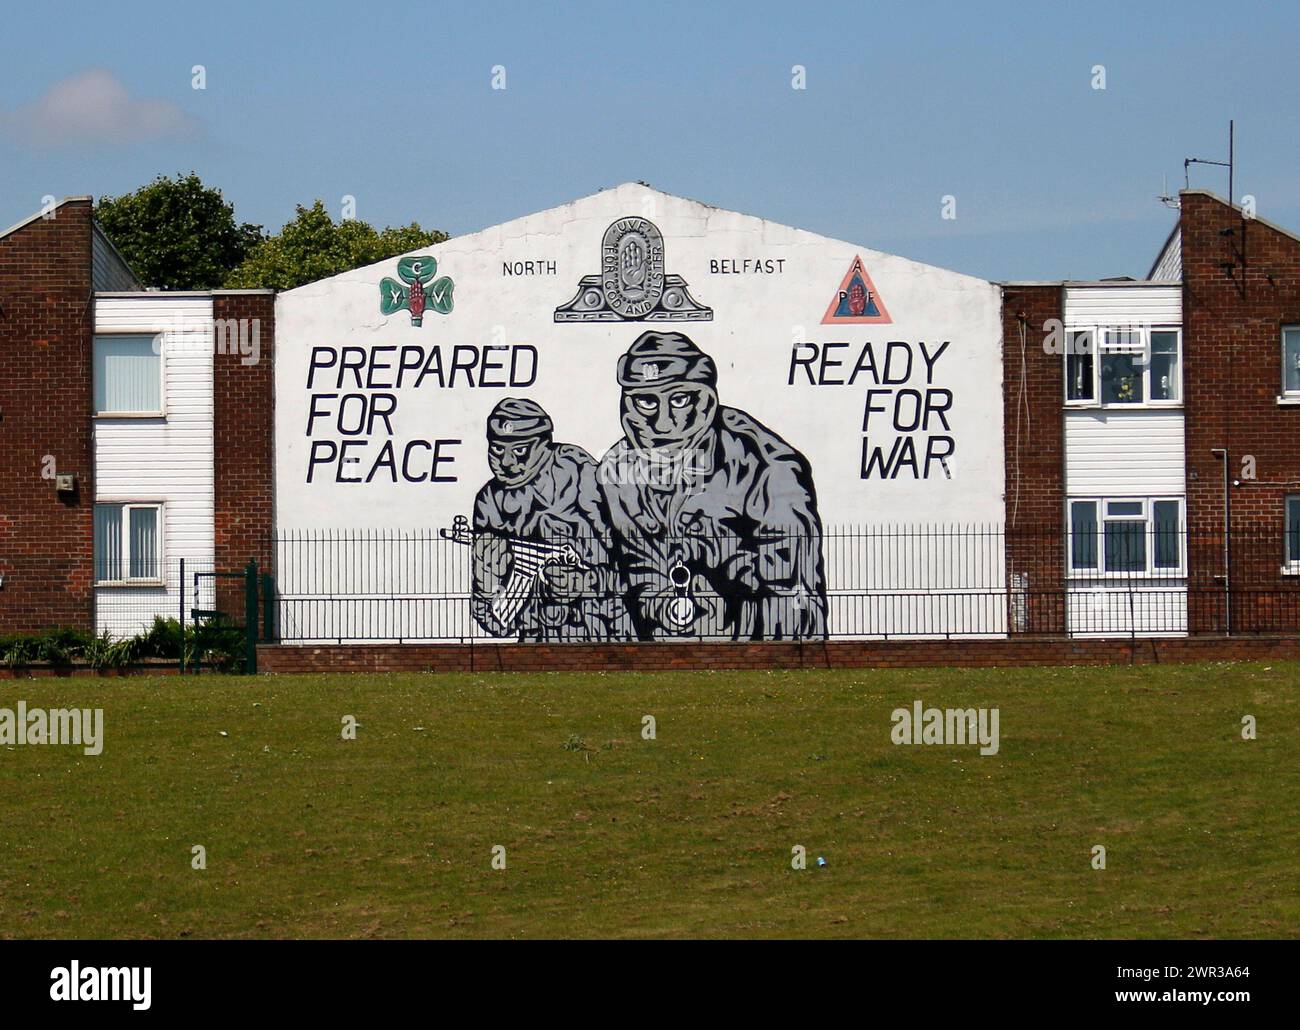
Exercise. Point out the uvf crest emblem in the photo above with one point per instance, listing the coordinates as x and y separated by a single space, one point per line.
632 267
632 285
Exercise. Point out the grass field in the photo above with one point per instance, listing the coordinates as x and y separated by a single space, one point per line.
690 834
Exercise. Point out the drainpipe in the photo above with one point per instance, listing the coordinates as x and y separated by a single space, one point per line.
1222 454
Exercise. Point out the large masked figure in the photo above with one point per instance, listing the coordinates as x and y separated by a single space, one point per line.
541 568
714 516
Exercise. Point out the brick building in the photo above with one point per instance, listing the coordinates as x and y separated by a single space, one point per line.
1145 478
98 505
1201 438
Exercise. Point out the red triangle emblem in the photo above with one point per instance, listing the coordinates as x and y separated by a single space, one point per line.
856 302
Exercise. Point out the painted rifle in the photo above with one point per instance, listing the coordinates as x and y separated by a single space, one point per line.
529 558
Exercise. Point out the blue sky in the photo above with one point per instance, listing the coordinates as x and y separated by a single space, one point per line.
905 103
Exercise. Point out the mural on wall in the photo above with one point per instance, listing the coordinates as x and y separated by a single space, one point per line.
632 285
422 291
541 567
699 520
628 464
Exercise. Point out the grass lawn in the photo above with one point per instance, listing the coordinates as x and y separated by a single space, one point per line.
690 834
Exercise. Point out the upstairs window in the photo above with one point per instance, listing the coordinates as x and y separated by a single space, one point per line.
1166 373
1080 376
1123 367
128 375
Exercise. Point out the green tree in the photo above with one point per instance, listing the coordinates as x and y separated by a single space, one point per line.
314 246
177 234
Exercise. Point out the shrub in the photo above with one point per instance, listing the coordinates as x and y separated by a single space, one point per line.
106 653
215 642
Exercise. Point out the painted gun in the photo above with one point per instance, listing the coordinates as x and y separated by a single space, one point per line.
529 559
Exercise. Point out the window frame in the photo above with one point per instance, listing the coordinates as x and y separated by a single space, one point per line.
127 506
1291 396
1291 525
156 335
1071 352
1098 336
1150 571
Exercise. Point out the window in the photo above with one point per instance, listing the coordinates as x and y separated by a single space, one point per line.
1079 376
1166 377
1291 361
1124 531
1130 536
1119 367
1083 534
128 375
128 542
1293 531
1166 517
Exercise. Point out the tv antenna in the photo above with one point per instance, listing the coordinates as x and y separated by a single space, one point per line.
1228 164
1165 197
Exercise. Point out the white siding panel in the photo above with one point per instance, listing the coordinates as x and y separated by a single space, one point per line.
1169 266
107 269
168 459
1133 453
1107 611
1123 305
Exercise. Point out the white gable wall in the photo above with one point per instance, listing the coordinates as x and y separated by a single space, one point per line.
759 317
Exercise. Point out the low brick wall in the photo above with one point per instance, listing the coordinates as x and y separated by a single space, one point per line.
490 657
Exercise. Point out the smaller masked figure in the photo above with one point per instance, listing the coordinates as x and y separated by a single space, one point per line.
541 569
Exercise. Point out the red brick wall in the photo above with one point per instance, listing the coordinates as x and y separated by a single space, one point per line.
46 329
244 444
1021 651
1241 284
1035 454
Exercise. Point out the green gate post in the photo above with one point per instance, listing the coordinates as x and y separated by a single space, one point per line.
268 608
250 617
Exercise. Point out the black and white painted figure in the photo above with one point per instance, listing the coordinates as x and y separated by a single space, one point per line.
541 567
714 516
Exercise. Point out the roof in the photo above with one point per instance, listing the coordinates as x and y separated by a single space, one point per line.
153 291
1250 218
43 213
1076 283
634 196
116 254
1174 236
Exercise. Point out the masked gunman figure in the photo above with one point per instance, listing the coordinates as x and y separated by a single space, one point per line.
714 516
541 568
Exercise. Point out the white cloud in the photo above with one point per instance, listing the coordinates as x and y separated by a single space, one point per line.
90 109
